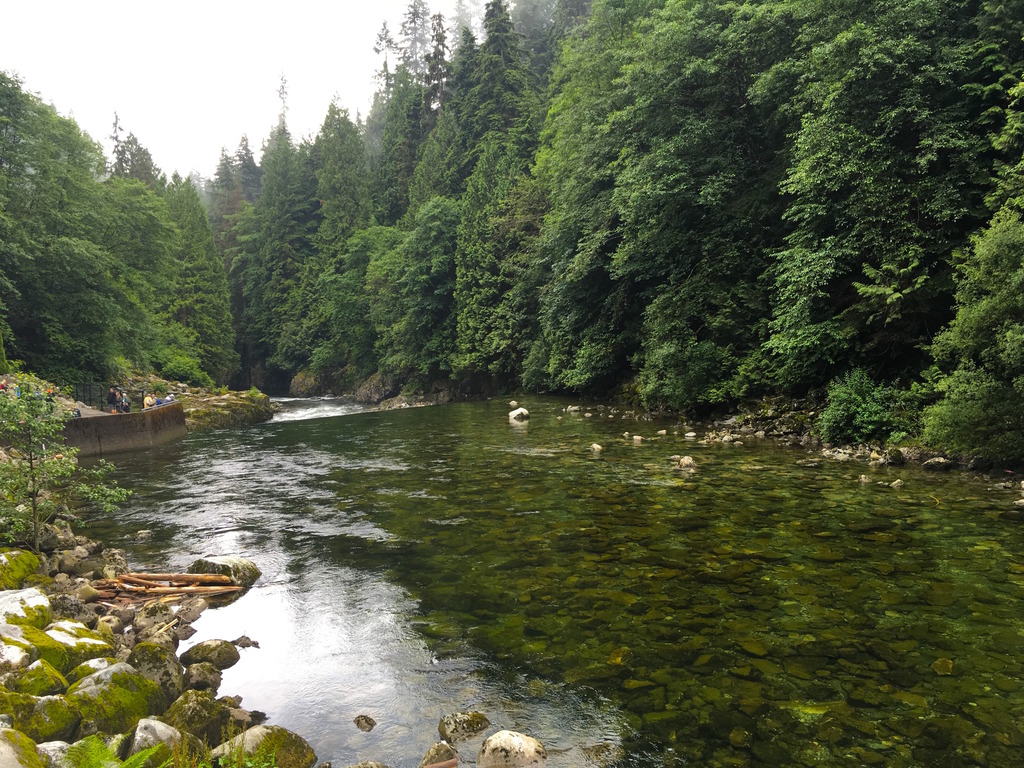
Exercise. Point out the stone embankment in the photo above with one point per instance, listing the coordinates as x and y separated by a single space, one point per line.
76 662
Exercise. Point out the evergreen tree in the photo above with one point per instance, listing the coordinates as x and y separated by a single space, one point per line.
132 160
403 133
199 305
249 173
416 38
437 73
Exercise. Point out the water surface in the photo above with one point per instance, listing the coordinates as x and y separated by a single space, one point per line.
768 609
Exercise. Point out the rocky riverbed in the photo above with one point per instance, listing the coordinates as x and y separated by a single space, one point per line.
76 663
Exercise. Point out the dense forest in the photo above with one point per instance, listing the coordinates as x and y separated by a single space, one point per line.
684 203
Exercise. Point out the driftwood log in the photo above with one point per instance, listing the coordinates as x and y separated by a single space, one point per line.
138 587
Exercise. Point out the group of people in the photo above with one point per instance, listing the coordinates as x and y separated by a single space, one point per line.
118 401
150 401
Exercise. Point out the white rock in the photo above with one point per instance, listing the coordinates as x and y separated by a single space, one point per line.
513 404
508 749
24 604
690 435
637 439
519 414
662 431
897 484
596 448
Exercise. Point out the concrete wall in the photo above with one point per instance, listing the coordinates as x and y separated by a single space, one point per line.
116 433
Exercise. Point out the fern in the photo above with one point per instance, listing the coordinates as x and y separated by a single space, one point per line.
93 752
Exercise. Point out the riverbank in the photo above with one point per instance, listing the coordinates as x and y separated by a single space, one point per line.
89 650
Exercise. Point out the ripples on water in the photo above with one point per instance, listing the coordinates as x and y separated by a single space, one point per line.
758 612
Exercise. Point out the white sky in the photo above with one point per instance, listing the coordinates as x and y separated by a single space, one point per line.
190 77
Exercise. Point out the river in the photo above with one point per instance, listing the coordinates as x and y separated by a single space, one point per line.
767 609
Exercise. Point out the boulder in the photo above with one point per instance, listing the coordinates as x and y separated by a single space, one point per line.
508 749
25 606
114 699
54 754
41 679
198 713
519 414
18 751
41 718
15 652
289 749
938 464
441 752
242 571
462 725
80 642
36 643
152 616
202 677
87 668
160 666
15 566
150 733
220 653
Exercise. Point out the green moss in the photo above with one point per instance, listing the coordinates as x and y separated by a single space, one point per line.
41 679
16 565
20 748
41 718
115 699
45 647
89 667
197 712
26 607
288 749
79 642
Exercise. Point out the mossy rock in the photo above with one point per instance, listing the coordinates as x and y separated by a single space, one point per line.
25 606
462 725
198 713
41 718
41 679
36 643
89 667
80 642
241 570
15 651
114 699
220 653
159 665
288 749
168 741
16 565
18 751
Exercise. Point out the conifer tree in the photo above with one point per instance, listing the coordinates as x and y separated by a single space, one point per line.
416 38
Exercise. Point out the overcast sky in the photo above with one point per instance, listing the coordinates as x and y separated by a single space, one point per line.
190 77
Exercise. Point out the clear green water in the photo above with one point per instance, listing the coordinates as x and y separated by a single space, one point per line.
757 612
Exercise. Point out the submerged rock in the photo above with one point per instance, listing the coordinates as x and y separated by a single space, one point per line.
509 749
364 723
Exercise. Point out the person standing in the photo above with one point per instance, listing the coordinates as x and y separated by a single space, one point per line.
112 401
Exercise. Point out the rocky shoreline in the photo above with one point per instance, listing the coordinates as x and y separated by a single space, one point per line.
76 663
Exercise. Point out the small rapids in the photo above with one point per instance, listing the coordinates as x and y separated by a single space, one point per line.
305 408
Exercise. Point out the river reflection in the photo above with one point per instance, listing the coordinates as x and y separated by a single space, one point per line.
757 612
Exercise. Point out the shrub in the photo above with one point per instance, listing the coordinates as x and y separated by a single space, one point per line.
859 411
182 367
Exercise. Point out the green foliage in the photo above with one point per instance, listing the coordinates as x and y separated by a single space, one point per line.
181 367
43 475
859 411
93 752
